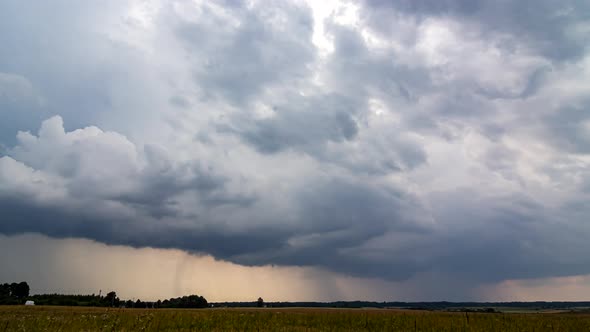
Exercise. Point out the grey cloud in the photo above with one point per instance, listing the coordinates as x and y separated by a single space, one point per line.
412 155
303 122
179 101
21 106
381 73
508 238
550 27
307 123
534 82
75 57
237 62
568 128
337 217
480 239
331 215
22 217
77 157
338 224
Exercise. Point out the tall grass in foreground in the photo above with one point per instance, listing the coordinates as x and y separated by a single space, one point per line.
100 319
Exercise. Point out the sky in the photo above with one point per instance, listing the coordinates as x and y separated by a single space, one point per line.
389 150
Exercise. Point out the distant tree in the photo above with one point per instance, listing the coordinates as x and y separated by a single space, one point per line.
13 289
111 299
191 301
4 290
260 303
20 290
129 304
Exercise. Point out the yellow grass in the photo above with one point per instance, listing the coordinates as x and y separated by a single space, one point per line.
38 318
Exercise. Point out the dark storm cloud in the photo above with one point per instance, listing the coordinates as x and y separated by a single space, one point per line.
19 217
328 217
162 181
334 218
510 237
456 144
333 222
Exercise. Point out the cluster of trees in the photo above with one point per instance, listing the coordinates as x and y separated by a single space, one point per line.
13 293
111 300
191 301
18 293
76 300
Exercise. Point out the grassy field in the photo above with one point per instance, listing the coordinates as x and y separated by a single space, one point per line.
20 318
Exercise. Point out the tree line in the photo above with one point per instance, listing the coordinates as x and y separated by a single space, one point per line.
14 293
18 293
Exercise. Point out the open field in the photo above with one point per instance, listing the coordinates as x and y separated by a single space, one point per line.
20 318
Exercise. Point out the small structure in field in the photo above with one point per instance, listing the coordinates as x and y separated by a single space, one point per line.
30 303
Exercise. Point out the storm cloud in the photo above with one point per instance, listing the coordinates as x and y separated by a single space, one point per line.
381 139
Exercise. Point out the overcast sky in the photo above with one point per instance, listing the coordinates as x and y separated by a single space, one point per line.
319 150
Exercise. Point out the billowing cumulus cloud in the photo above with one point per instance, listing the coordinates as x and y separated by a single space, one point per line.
383 139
